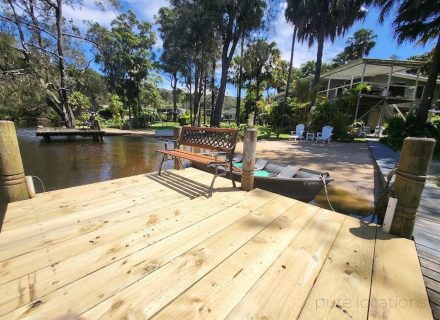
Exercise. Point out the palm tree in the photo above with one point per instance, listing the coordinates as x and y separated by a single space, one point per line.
358 46
318 20
418 21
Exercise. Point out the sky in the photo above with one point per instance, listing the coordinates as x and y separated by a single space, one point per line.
279 31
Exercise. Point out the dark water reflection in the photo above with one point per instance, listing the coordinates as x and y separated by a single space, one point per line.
62 163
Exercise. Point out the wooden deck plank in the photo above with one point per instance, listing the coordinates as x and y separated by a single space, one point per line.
69 196
113 201
342 288
181 254
283 289
397 290
88 216
427 225
154 223
96 287
232 279
149 295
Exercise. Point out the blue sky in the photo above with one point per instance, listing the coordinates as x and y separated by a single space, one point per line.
280 32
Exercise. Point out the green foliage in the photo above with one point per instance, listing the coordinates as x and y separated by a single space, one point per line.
125 55
115 107
331 114
79 103
280 117
397 129
358 46
105 113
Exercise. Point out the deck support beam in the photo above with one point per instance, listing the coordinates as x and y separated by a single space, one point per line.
12 182
411 174
249 151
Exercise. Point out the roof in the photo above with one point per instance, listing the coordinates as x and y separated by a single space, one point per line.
374 67
411 76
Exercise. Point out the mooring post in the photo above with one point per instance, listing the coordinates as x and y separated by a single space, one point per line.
249 151
415 159
12 181
176 134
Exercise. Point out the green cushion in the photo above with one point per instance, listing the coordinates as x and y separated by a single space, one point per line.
257 173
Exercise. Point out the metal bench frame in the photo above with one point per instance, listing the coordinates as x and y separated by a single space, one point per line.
219 140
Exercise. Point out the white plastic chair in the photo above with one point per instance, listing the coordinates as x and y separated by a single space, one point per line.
298 133
325 135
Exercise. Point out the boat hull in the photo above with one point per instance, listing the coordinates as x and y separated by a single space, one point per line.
303 188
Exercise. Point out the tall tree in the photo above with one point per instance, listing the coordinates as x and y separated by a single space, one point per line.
318 20
172 59
42 30
231 20
125 54
418 21
358 46
259 60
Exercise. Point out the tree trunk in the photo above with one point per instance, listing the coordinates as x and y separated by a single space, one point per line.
190 100
204 99
69 118
174 87
240 75
289 77
428 93
319 56
212 90
257 98
227 55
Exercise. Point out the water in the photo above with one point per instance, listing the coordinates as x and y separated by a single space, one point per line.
63 163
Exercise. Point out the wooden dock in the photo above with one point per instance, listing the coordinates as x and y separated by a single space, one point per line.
154 246
427 227
48 133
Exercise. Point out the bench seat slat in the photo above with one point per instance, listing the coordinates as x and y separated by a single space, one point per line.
195 157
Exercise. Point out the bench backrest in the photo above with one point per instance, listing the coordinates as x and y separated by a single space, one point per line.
219 139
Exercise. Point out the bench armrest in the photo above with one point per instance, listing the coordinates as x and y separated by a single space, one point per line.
176 144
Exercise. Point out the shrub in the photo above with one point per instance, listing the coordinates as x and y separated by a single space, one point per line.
398 129
105 113
329 113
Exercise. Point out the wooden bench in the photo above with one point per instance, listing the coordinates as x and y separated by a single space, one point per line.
220 140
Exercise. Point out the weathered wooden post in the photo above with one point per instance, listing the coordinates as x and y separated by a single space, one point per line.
415 159
176 134
249 150
12 181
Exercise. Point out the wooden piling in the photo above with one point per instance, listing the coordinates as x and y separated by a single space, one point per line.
249 151
410 180
176 134
12 181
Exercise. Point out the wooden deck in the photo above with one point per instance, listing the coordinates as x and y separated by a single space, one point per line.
426 230
48 133
154 247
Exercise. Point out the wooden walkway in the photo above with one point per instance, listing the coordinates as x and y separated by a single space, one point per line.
154 247
427 227
48 133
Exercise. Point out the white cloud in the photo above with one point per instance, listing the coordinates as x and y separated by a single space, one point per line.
281 34
89 11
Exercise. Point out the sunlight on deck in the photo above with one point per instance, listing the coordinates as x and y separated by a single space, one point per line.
154 246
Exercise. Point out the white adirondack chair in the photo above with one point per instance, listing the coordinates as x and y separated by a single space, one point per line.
325 135
298 133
